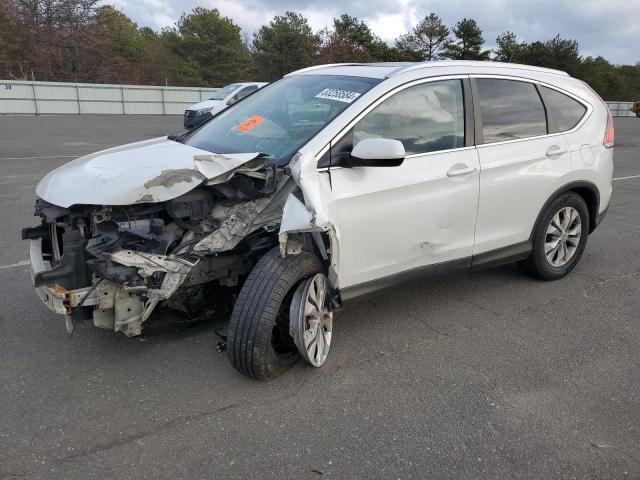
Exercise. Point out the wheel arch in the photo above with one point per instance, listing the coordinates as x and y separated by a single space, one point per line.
589 193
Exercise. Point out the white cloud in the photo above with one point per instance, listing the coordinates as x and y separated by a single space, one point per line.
608 28
389 27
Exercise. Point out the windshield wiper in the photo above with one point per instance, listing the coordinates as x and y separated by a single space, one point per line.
177 137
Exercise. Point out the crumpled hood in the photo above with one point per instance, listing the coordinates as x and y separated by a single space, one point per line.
150 171
205 104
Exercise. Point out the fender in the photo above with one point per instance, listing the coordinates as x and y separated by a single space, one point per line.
589 191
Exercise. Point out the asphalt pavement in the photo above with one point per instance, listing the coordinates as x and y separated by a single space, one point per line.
490 375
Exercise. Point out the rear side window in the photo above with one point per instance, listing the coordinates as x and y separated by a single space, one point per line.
563 112
510 110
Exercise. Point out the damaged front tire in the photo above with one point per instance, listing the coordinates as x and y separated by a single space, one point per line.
258 342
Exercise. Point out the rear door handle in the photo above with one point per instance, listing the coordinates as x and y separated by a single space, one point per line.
554 151
458 170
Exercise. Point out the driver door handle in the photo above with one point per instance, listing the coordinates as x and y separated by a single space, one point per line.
458 170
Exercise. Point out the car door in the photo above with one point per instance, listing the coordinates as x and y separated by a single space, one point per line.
397 220
520 162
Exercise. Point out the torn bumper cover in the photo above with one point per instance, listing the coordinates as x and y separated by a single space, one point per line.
114 305
58 299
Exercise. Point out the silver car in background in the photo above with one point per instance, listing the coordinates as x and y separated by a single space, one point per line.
226 96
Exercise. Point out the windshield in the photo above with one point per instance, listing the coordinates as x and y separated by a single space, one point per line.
224 91
279 118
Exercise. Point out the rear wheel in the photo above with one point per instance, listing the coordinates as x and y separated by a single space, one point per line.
559 238
258 343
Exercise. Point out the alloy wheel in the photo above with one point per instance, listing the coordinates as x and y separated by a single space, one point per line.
311 320
563 236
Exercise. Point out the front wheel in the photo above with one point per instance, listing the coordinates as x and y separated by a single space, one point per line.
311 319
559 238
258 341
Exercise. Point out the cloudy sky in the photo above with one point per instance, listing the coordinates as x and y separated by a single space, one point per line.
610 28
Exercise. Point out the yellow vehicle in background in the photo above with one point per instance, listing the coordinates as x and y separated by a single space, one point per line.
635 108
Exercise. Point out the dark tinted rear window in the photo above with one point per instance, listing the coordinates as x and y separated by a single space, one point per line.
564 112
510 110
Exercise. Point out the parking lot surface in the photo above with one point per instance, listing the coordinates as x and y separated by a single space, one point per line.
490 375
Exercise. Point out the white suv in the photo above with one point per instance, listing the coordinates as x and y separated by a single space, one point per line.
332 183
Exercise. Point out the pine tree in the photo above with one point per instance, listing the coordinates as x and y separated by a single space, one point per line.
509 49
426 41
286 44
468 43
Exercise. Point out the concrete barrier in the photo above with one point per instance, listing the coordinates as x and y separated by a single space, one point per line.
21 97
620 109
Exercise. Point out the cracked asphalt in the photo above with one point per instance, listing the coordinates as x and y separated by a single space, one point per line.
490 375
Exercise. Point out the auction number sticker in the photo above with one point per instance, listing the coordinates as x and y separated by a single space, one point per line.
249 123
339 95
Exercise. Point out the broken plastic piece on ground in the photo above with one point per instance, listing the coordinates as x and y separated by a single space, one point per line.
69 325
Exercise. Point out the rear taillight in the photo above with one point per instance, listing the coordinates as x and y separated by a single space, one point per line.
609 134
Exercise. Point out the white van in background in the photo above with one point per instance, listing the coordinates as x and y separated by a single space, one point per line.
199 112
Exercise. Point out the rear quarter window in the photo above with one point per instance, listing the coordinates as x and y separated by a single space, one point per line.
510 110
563 112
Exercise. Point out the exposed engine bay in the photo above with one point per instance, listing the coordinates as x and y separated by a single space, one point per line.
116 264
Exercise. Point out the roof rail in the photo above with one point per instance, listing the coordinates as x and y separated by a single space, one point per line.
316 67
478 63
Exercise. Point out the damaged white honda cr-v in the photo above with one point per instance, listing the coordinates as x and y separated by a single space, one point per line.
329 184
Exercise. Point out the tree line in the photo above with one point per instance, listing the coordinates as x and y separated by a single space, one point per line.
85 41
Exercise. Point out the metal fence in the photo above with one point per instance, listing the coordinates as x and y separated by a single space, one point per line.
621 109
20 97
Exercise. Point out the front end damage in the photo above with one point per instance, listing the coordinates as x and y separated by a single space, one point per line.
183 255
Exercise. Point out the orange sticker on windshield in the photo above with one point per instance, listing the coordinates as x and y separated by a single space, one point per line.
249 123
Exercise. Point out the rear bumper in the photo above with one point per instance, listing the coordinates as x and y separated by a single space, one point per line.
58 299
